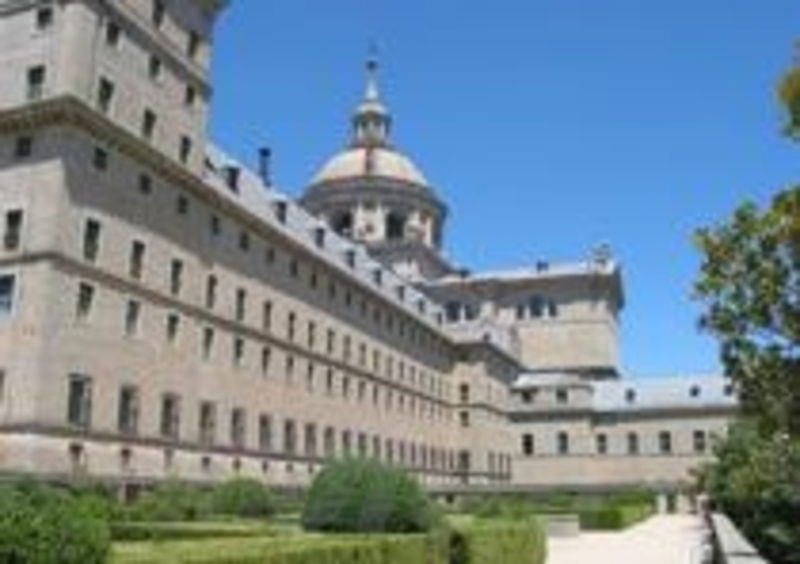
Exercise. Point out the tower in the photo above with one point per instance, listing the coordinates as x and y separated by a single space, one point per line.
375 194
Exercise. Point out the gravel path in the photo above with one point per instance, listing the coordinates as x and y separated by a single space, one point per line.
663 539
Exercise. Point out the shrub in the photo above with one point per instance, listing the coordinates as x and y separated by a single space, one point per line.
243 497
42 525
171 501
614 517
499 542
144 531
355 495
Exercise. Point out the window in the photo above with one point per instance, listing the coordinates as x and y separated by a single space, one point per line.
633 443
241 300
170 416
211 291
289 368
694 391
266 354
238 427
329 442
105 95
310 440
79 400
665 442
265 432
310 377
154 67
562 443
2 385
699 442
157 14
463 417
208 423
13 231
630 395
528 396
173 323
192 44
330 342
91 239
463 393
289 437
244 240
215 225
266 316
23 146
100 158
238 351
562 396
208 342
113 33
149 120
132 314
176 277
128 410
329 381
36 78
145 184
290 326
136 260
528 445
85 300
185 149
190 95
44 18
311 335
601 441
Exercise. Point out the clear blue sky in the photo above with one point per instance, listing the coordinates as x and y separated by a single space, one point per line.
547 125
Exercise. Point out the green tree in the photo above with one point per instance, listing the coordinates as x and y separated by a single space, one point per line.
750 282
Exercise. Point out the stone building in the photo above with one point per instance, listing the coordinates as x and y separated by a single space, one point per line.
165 311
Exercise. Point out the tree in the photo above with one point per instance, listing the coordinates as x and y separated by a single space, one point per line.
789 94
750 281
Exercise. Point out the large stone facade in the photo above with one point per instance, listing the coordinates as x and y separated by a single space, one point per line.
166 312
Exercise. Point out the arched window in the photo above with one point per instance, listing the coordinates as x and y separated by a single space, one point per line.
395 226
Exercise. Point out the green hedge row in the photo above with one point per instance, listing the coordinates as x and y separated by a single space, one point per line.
144 531
479 543
615 517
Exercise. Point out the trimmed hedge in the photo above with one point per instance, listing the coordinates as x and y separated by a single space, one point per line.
377 549
243 497
614 518
145 531
499 542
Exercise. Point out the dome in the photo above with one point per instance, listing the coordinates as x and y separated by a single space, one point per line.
370 161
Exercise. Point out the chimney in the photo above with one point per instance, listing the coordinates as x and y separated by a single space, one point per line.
264 162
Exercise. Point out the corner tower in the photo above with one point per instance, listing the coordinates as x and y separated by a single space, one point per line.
374 194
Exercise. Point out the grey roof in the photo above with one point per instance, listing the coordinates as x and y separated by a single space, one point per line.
254 197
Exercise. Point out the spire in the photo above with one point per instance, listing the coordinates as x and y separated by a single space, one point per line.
372 121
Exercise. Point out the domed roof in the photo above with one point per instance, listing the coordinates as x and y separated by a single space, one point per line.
370 161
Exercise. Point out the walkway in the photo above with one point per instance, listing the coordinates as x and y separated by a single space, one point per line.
663 539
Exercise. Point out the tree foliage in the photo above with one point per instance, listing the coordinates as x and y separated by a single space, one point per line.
356 495
750 281
789 94
243 497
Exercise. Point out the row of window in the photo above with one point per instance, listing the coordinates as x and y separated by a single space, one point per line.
537 307
316 440
380 363
632 443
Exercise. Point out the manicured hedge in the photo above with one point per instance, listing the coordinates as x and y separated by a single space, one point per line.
481 542
615 517
143 531
306 549
499 542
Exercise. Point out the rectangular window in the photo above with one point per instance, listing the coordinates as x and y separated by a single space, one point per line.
265 432
311 334
633 443
173 323
329 442
185 149
105 95
463 417
289 437
602 443
238 428
100 158
91 239
113 33
132 314
562 443
244 240
665 442
238 351
310 440
149 120
189 95
211 291
145 184
154 67
290 325
562 396
128 410
182 205
13 230
699 442
208 342
136 260
208 423
528 446
23 146
176 277
44 18
36 79
158 11
266 355
170 416
79 400
85 300
192 44
241 301
266 321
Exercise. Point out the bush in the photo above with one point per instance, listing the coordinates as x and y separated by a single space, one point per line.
144 531
243 497
42 525
614 517
499 542
355 495
170 501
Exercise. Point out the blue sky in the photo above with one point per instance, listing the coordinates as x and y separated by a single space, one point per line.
549 126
